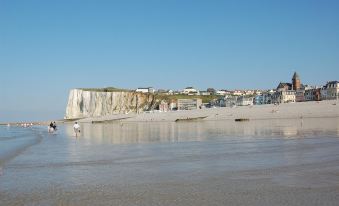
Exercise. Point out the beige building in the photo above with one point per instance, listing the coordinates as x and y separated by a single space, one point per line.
163 106
189 104
283 96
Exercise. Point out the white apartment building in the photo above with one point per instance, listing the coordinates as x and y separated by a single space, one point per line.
221 92
332 88
145 90
190 91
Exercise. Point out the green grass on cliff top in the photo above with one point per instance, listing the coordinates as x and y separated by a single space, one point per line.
168 98
204 98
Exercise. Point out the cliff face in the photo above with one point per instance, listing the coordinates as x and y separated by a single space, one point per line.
83 103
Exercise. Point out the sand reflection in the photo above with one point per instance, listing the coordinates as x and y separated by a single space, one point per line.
131 133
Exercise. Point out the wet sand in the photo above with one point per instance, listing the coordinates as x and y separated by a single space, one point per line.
275 162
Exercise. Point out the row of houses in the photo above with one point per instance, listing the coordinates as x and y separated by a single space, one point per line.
328 92
284 93
180 104
305 93
193 91
230 101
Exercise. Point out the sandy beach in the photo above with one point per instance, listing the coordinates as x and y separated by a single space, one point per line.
286 154
262 162
256 112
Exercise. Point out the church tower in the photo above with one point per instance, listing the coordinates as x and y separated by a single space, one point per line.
296 81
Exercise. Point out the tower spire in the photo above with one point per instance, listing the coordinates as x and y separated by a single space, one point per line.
296 84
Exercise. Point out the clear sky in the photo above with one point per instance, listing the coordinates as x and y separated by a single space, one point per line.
49 47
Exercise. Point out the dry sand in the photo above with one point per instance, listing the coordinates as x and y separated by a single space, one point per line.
270 111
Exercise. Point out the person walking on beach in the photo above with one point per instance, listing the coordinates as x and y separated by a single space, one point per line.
76 128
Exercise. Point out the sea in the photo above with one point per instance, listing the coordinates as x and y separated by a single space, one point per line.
262 162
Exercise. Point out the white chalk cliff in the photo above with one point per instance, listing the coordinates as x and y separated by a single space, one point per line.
82 103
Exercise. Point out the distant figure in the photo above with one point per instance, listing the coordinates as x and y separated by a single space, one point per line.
76 128
54 126
50 128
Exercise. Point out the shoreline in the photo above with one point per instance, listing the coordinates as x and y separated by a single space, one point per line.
299 110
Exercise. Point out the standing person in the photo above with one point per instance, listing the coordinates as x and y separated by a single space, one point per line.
76 128
54 126
51 128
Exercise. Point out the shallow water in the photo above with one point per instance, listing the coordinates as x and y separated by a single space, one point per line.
15 140
275 162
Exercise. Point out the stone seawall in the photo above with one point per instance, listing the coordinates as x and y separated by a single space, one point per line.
82 103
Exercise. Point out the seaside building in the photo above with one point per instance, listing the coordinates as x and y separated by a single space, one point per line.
284 86
237 92
283 97
162 91
258 99
190 91
330 91
300 95
205 93
244 101
249 92
170 92
189 104
298 88
264 98
267 97
333 89
145 90
173 105
284 93
163 106
221 102
313 94
230 101
323 93
258 92
166 92
289 92
212 91
221 92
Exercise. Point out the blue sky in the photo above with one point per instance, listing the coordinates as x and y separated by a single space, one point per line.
49 47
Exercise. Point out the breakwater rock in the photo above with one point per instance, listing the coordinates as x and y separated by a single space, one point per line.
88 103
